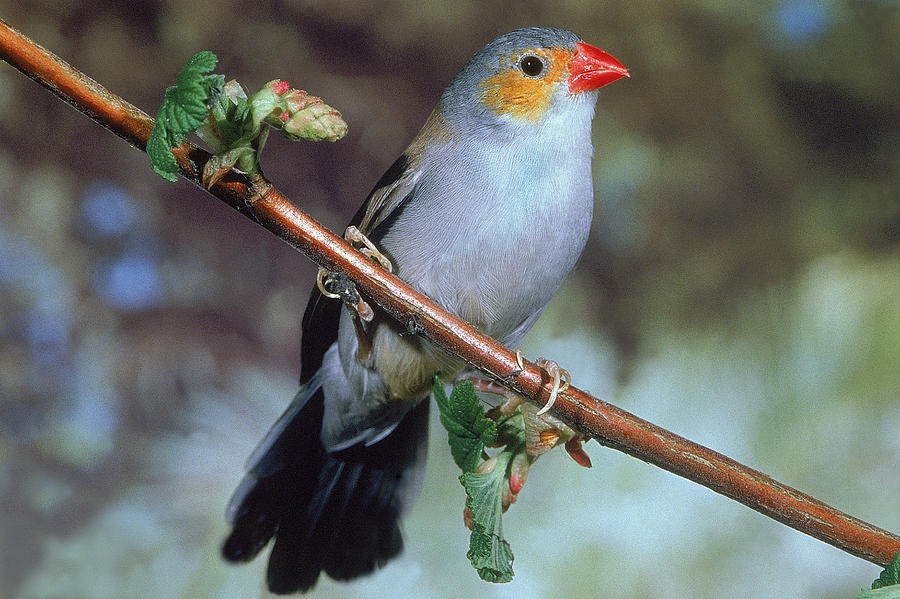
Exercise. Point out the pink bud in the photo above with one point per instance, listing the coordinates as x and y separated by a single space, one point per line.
518 473
285 116
280 87
508 498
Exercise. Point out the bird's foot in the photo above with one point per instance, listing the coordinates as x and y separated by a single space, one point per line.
511 399
336 285
561 382
339 286
356 237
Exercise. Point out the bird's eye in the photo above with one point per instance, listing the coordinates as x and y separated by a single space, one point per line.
531 65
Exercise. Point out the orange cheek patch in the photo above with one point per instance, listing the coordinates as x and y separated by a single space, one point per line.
511 92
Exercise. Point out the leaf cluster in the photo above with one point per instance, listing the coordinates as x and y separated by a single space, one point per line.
485 478
887 585
183 110
234 125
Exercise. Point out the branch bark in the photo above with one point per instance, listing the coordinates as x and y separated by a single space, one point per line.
609 425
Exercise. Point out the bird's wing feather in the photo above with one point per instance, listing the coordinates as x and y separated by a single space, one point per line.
320 320
391 192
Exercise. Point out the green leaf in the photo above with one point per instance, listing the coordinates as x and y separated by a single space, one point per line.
193 83
220 164
229 126
468 429
229 121
511 429
889 592
886 586
184 108
161 158
890 575
489 552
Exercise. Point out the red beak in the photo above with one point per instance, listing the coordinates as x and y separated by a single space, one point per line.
592 68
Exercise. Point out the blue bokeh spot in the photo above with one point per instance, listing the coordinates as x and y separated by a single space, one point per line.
107 210
802 20
131 282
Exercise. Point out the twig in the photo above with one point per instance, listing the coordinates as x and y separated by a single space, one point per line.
594 418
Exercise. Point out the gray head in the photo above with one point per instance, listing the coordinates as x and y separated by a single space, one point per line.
517 76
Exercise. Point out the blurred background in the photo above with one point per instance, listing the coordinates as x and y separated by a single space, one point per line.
741 288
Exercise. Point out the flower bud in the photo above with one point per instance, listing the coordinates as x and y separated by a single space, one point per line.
508 498
487 466
316 122
279 86
518 472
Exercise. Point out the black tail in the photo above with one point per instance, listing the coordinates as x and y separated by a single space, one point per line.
333 512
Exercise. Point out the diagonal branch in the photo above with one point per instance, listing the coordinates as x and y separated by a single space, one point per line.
609 425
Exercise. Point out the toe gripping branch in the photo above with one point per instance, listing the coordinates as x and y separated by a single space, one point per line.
337 285
543 431
561 379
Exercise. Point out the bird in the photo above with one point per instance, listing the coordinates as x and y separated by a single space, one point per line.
487 211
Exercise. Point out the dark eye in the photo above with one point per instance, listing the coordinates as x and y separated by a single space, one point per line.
531 65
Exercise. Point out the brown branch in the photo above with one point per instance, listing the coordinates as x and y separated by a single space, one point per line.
606 423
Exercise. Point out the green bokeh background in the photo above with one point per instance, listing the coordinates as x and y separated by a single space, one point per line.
741 288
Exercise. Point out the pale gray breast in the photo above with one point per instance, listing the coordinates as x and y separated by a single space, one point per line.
495 229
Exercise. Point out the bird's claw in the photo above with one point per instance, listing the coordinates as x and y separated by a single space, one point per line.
561 379
355 236
561 382
520 360
338 286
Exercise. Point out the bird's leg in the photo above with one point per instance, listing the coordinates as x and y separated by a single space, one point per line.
355 236
561 378
363 343
561 382
542 430
338 286
511 399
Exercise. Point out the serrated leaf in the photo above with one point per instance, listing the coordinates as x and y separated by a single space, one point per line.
184 108
193 82
889 592
468 429
161 158
890 575
192 91
489 553
200 63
